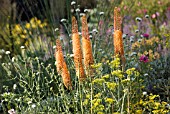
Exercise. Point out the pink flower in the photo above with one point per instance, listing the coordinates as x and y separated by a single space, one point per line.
145 10
145 35
125 7
144 59
157 14
168 8
153 16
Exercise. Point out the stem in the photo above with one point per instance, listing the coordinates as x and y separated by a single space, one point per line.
128 102
123 103
91 96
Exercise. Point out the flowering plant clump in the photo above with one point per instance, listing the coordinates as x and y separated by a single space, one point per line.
89 63
144 59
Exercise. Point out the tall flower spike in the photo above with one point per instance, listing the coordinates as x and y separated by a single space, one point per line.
87 49
77 51
118 40
61 66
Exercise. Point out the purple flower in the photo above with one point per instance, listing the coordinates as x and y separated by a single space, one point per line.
144 59
146 35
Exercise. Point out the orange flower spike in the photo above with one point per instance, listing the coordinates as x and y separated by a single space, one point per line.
77 51
59 57
87 49
66 77
61 66
118 40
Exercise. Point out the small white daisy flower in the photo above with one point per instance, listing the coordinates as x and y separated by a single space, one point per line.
63 20
82 14
94 31
146 16
7 52
144 93
73 3
13 59
71 55
146 74
77 10
14 86
139 40
90 36
101 13
137 31
56 29
138 19
33 105
22 47
54 46
86 10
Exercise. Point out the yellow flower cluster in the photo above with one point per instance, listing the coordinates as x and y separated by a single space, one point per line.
152 55
115 63
145 42
97 105
98 81
117 73
151 104
111 85
24 31
106 76
109 100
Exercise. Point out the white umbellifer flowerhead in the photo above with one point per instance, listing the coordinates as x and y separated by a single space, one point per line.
101 13
63 20
7 52
73 3
22 47
144 93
